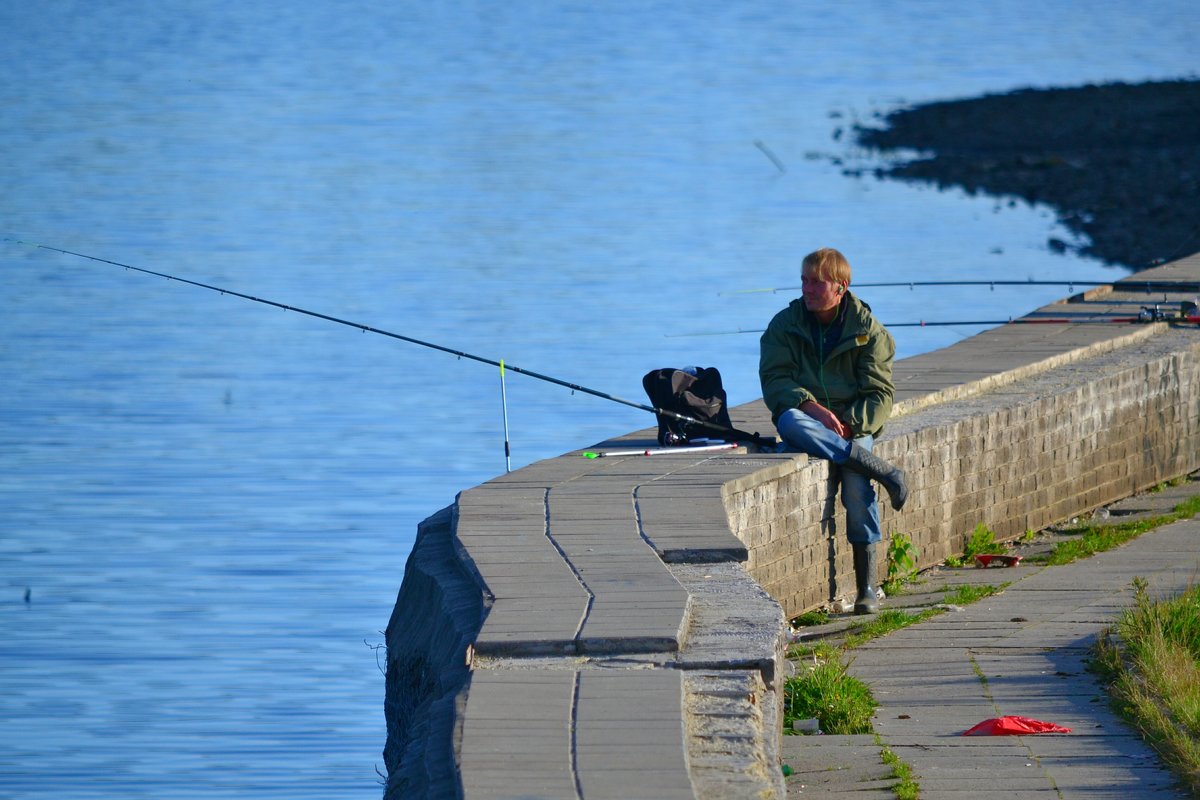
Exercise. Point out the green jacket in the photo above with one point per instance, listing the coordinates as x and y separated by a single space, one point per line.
855 378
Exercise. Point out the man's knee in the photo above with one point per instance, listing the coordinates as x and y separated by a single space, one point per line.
802 432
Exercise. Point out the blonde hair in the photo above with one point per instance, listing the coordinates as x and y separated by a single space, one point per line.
827 264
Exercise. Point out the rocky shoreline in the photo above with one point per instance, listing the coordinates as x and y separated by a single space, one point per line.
1119 162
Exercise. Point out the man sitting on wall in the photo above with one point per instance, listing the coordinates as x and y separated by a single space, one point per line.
826 369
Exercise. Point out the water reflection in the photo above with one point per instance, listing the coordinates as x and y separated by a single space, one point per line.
211 502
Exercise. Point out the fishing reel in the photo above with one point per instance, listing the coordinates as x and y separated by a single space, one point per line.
1188 312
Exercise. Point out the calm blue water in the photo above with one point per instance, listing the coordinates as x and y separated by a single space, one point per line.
210 502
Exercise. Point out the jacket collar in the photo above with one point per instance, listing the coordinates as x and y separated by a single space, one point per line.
857 315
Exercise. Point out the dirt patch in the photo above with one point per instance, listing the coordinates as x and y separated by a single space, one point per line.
1119 162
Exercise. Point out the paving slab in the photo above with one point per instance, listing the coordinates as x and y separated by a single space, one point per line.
630 735
686 521
516 736
824 765
553 733
1024 651
1034 668
592 545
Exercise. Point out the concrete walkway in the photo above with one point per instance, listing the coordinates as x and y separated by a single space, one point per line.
1021 652
593 627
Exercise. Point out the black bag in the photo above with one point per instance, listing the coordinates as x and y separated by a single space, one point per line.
695 392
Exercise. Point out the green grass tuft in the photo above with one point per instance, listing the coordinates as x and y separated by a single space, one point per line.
1098 538
982 542
883 623
1151 663
967 593
823 689
810 618
901 563
906 786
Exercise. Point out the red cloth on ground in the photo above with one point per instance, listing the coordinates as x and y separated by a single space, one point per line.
1014 726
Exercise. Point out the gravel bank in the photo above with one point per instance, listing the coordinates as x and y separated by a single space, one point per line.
1119 162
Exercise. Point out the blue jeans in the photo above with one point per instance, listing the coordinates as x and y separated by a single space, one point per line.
802 433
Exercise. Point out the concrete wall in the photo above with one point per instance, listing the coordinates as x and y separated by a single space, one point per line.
1055 444
435 620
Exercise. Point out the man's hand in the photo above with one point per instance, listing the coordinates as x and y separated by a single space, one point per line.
827 418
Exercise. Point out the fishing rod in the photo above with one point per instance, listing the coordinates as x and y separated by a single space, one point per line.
737 434
1124 284
1186 314
661 451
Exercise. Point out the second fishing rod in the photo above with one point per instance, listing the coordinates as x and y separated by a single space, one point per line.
734 434
1127 284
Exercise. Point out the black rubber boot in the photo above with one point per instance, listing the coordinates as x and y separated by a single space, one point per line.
867 601
890 476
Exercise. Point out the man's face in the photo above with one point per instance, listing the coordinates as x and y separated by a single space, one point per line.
819 295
